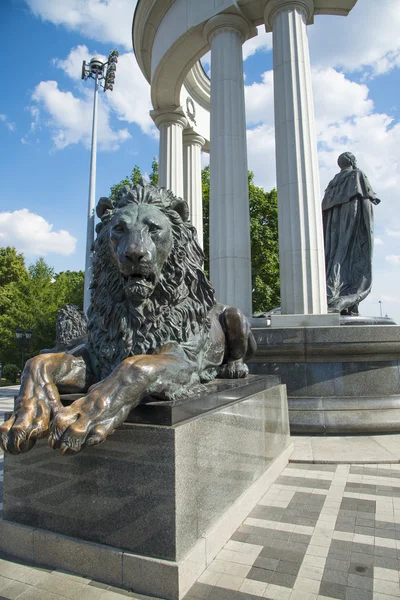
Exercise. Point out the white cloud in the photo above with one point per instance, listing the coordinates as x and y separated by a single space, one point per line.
130 98
368 37
261 43
393 259
72 65
32 234
378 241
109 21
393 232
391 299
10 126
70 118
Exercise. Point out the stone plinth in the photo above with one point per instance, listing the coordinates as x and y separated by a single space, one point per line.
340 380
158 500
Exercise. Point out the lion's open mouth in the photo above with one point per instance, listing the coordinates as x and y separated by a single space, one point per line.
139 283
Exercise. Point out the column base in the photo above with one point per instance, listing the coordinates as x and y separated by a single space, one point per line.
328 320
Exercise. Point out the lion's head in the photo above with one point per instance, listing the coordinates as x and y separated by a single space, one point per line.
148 284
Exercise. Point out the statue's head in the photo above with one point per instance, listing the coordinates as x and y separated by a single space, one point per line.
346 160
141 224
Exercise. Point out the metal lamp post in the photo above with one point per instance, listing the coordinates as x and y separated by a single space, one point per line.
23 342
103 74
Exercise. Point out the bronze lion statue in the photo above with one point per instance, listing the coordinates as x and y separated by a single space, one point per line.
154 328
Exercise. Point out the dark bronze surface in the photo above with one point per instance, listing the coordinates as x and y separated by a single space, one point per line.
349 236
154 328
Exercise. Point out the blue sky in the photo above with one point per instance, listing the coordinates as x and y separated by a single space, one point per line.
45 120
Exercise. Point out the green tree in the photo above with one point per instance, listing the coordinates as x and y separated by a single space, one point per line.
14 279
263 239
131 179
31 298
154 172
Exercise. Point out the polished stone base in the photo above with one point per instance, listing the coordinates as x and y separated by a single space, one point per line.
340 380
327 320
159 501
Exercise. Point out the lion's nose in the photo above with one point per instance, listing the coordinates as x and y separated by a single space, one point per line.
135 253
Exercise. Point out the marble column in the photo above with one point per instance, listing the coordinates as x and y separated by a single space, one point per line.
230 261
171 124
192 188
301 244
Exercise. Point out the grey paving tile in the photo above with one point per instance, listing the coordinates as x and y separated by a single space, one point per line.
388 552
313 467
283 579
291 568
363 548
301 538
332 590
367 531
339 577
201 590
269 564
364 583
385 533
291 556
363 559
384 525
276 553
358 594
337 565
345 527
387 563
361 570
240 537
260 574
297 547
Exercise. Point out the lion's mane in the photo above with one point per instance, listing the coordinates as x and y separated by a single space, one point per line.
118 326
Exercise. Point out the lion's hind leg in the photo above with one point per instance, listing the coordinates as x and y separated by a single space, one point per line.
239 344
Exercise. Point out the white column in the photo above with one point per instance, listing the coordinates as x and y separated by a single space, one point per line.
192 188
301 244
171 125
230 261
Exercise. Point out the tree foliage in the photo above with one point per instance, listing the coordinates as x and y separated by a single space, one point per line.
263 239
134 178
31 298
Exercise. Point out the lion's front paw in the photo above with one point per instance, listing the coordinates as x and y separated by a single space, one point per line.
82 424
234 369
29 423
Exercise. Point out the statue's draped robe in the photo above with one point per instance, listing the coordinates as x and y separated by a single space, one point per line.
348 234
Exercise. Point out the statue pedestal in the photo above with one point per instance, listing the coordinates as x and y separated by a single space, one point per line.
340 380
150 508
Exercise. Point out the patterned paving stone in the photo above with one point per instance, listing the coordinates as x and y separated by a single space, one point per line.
321 531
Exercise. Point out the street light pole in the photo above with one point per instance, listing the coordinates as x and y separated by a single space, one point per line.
91 202
95 70
380 306
23 342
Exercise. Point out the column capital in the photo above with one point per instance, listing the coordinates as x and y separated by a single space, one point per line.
273 7
169 115
191 137
226 21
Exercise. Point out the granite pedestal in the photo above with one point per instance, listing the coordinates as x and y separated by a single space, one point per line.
340 380
150 508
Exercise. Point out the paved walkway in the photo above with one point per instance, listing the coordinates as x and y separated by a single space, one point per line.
322 531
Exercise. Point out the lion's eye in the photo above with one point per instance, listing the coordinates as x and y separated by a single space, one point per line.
118 227
153 228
